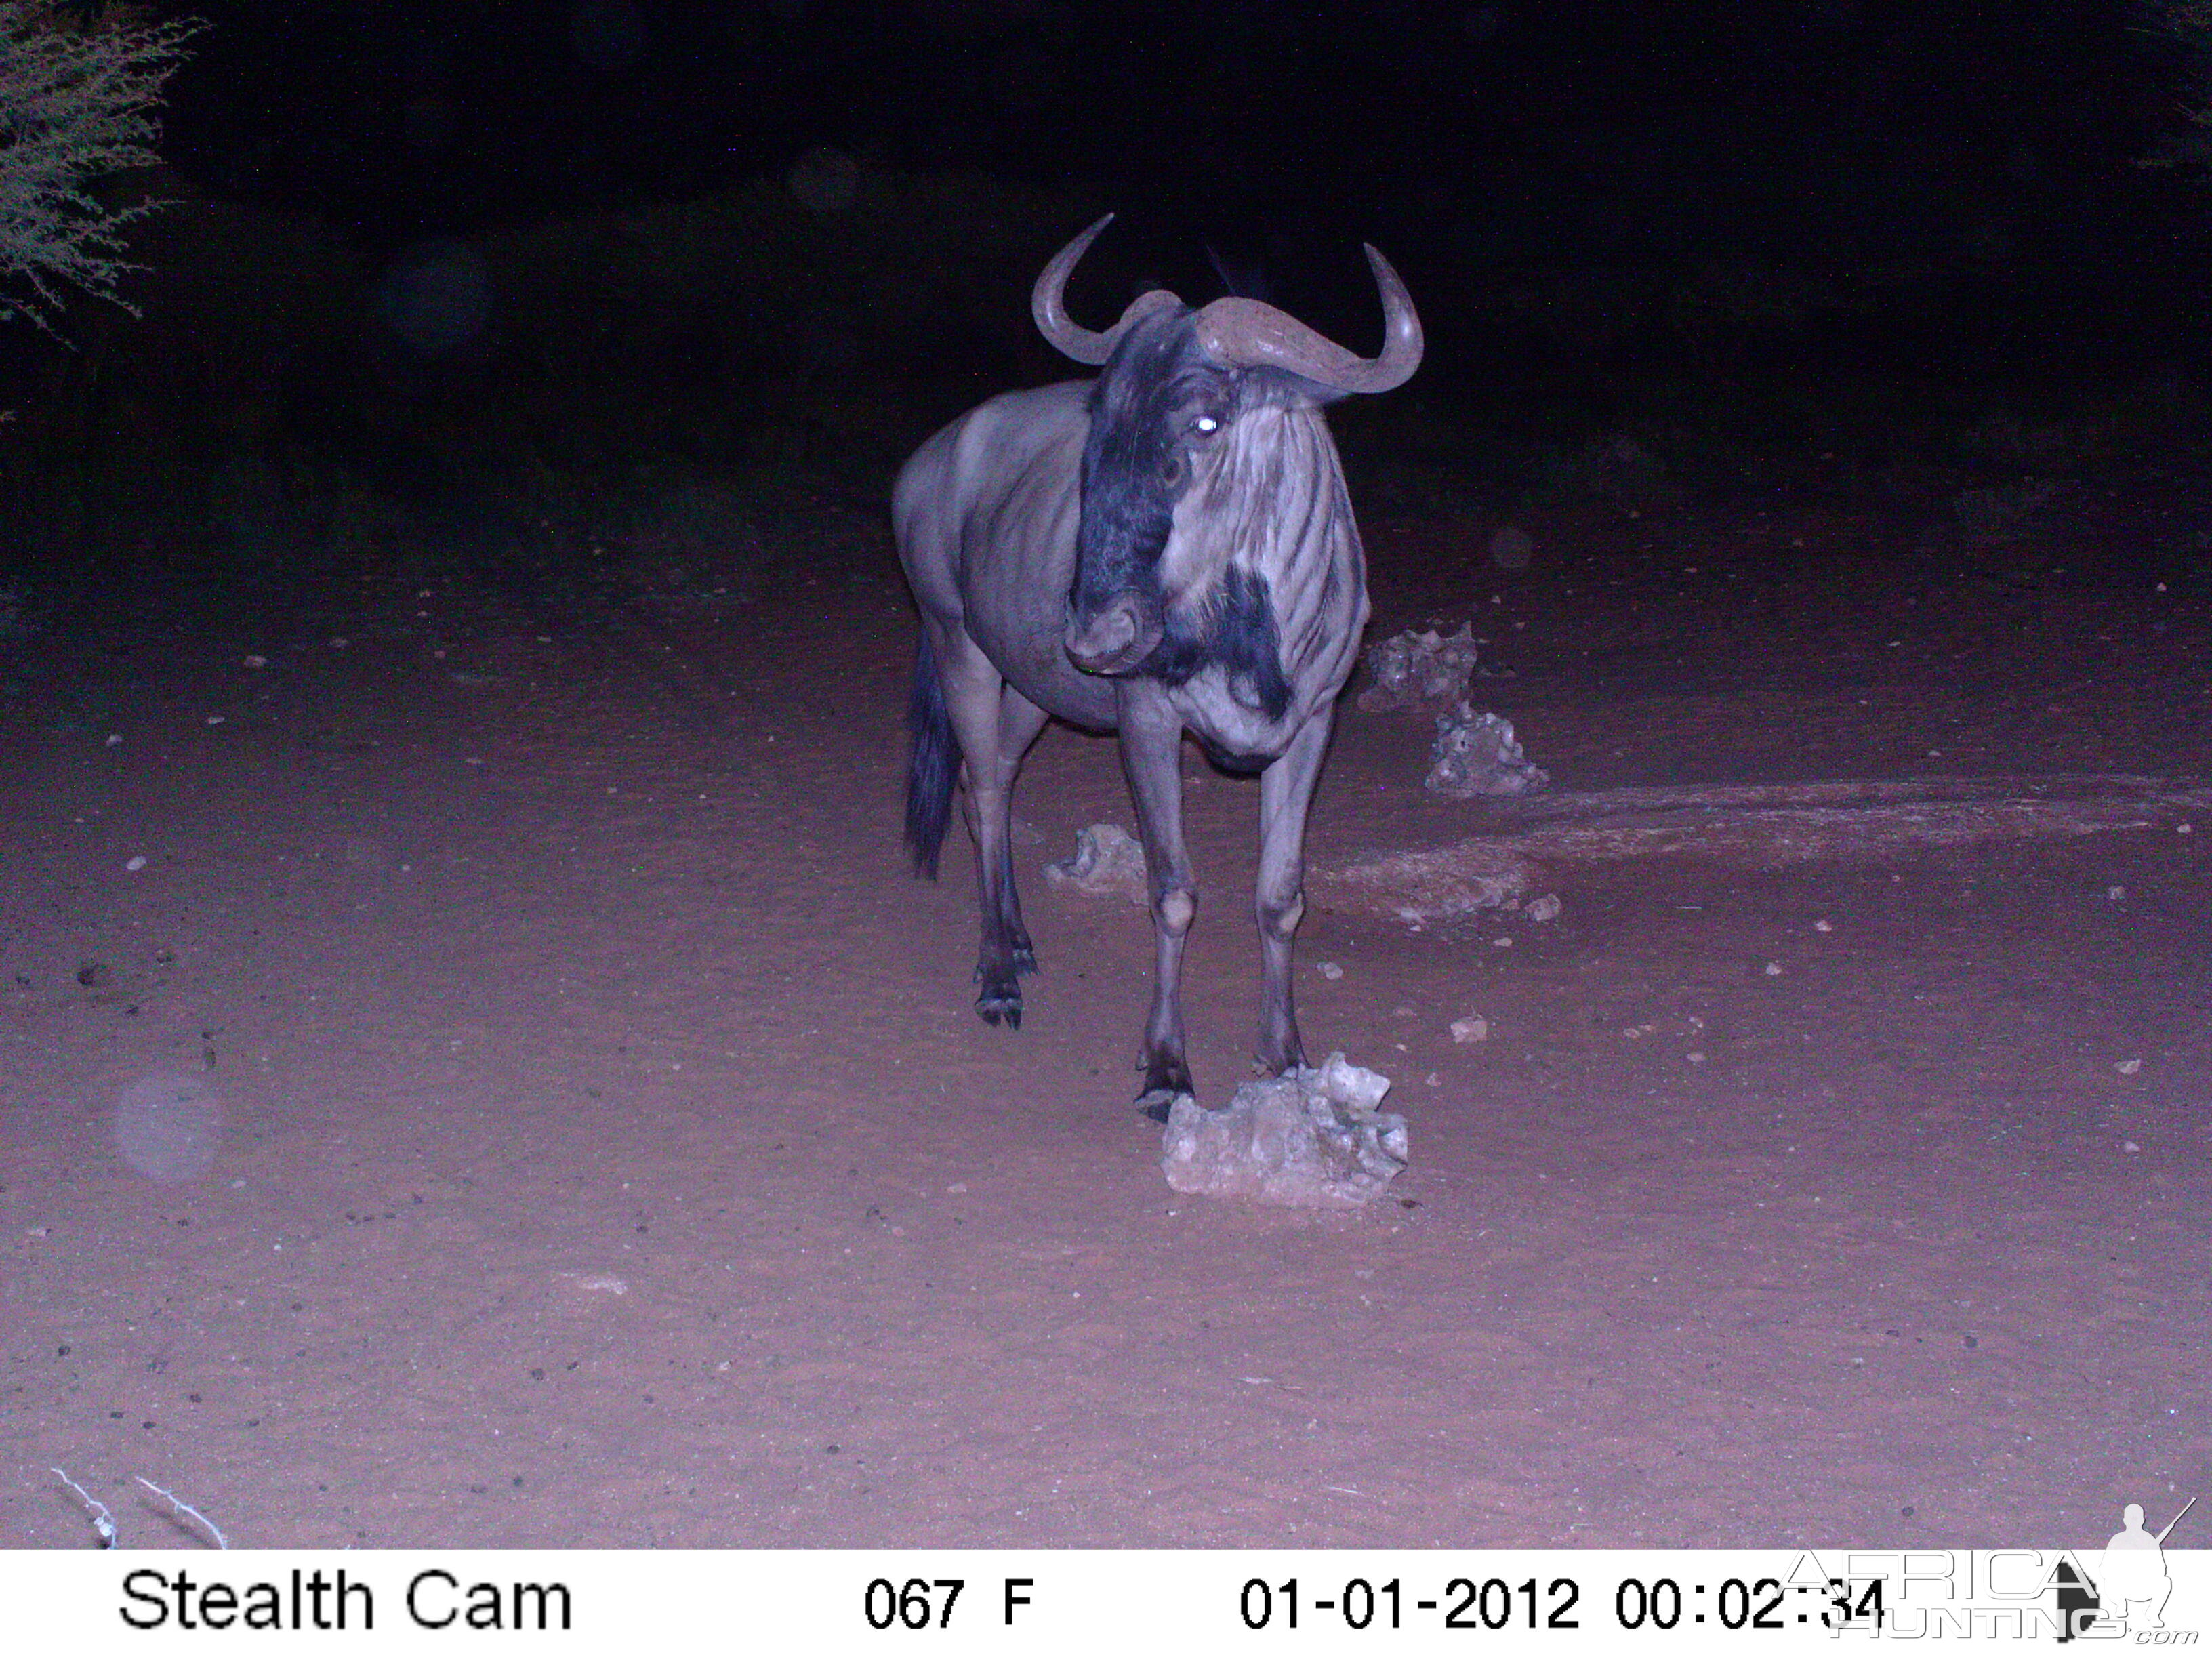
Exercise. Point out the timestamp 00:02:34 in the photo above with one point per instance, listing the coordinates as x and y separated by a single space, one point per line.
1637 1604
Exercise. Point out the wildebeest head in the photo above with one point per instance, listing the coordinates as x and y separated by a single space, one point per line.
1182 396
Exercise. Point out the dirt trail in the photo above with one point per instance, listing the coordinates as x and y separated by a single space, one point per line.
600 1149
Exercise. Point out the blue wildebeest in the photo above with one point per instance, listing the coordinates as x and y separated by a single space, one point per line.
1167 548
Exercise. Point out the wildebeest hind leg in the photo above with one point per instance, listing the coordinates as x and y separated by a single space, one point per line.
1019 722
975 696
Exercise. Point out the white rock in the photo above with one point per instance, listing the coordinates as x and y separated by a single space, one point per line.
1108 860
1411 669
1352 1086
1478 755
1311 1138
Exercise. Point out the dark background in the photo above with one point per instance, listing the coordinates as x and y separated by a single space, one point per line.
415 244
1494 135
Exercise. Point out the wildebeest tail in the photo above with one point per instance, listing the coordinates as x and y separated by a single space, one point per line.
932 766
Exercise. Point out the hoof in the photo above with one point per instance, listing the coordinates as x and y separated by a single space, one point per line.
1025 958
1167 1079
1002 1006
1155 1103
1168 1075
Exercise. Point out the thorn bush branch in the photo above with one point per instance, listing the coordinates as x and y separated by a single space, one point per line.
76 107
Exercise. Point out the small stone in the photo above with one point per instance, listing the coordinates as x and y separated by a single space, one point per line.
1473 1029
1824 925
256 662
1773 970
1329 970
2127 1067
2116 893
1543 910
136 861
2130 1146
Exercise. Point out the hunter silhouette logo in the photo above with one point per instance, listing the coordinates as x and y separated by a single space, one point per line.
2131 1585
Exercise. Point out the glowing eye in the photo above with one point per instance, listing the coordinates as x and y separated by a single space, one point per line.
1205 423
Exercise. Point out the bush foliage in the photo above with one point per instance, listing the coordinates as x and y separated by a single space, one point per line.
76 107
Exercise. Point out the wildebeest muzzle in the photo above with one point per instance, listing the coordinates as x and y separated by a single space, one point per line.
1116 638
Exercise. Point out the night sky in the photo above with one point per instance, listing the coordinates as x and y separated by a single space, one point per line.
1604 211
1485 133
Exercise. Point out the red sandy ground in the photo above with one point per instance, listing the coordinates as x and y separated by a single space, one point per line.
609 1154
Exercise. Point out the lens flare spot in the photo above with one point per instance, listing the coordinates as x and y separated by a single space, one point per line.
167 1125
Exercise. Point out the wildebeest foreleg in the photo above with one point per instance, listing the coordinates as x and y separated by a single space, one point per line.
1286 790
1151 756
995 725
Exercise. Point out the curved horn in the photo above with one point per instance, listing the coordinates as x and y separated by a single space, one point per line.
1246 334
1046 305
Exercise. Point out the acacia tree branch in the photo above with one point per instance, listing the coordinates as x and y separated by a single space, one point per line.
76 107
